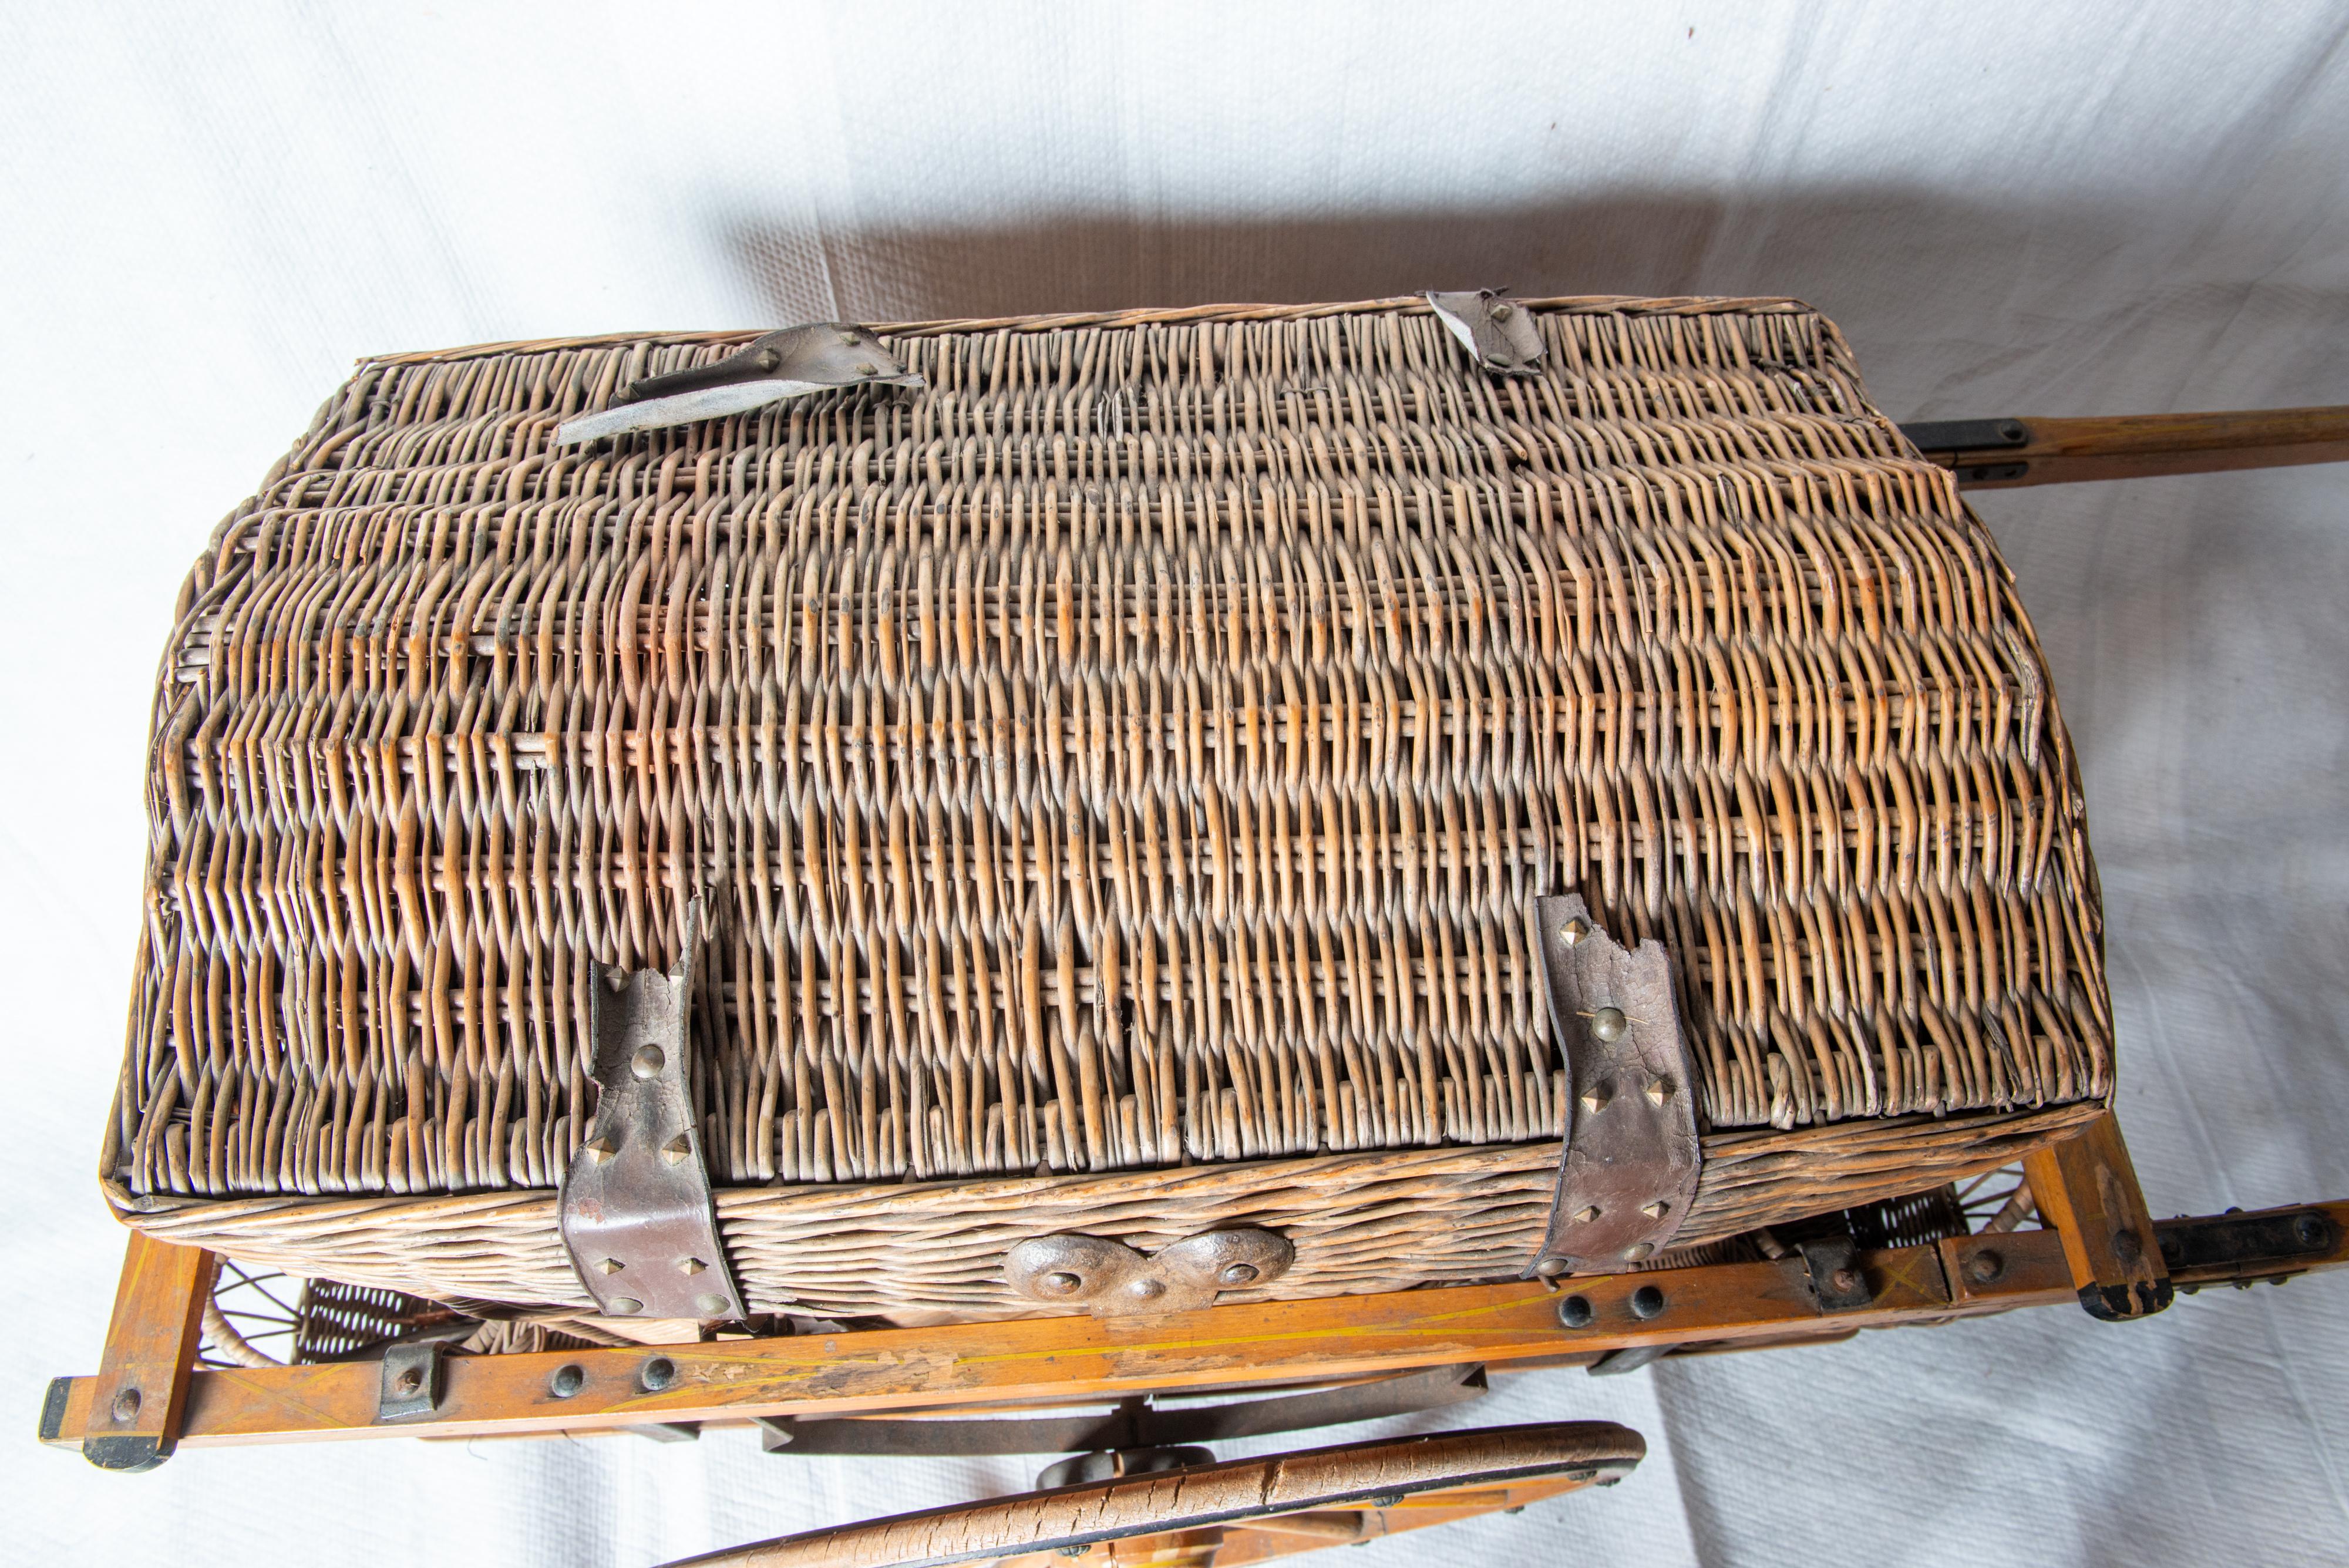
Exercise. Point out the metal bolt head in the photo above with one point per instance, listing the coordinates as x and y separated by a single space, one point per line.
712 1305
2310 1230
2127 1246
1576 1312
1237 1274
1985 1266
125 1404
568 1380
1647 1301
625 1306
1060 1282
658 1374
2011 430
649 1061
1608 1024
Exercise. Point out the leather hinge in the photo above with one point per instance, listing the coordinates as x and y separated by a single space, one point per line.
1628 1173
636 1213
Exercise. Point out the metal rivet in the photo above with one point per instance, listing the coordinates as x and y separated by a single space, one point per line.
1608 1024
1654 1211
410 1380
1647 1301
658 1374
1061 1283
1237 1274
648 1062
610 1266
1586 1214
1639 1251
1576 1312
1573 931
2126 1246
599 1151
1550 1268
1597 1096
677 1150
689 1267
568 1380
1657 1091
1843 1282
1148 1288
712 1305
769 358
1985 1266
627 1306
2011 430
2308 1228
125 1404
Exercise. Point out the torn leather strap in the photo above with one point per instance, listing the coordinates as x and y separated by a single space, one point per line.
824 356
636 1210
1630 1166
1499 334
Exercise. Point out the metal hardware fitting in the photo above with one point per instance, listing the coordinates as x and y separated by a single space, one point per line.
636 1210
411 1381
1630 1166
1111 1279
1966 435
824 356
1499 334
2240 1249
1837 1282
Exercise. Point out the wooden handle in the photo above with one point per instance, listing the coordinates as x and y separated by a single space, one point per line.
2139 446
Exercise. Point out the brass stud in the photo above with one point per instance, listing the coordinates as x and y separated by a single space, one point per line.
1550 1268
769 358
1657 1091
1639 1252
677 1150
1608 1024
1502 310
712 1305
625 1306
610 1266
1573 931
600 1150
690 1266
648 1062
1654 1211
1586 1214
617 979
1595 1097
125 1404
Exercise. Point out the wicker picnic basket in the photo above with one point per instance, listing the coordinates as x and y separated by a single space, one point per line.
1117 775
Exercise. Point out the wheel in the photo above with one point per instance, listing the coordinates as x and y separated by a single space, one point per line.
1233 1512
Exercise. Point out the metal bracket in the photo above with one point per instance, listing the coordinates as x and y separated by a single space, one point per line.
1499 334
824 356
1966 435
1112 1280
411 1381
1837 1282
636 1214
1631 1156
2238 1249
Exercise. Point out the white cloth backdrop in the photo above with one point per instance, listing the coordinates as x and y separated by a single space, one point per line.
206 213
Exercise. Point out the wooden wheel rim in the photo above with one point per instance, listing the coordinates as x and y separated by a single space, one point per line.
1234 1491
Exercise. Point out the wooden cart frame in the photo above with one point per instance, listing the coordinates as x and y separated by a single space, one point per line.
2099 1248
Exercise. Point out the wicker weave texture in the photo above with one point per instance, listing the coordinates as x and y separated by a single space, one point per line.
924 1252
1144 746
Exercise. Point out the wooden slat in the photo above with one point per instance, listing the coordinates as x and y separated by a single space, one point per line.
1074 1359
2141 446
131 1418
2087 1192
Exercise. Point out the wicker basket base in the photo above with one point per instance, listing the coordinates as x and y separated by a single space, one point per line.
932 1252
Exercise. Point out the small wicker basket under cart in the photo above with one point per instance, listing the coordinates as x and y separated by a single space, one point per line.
826 879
